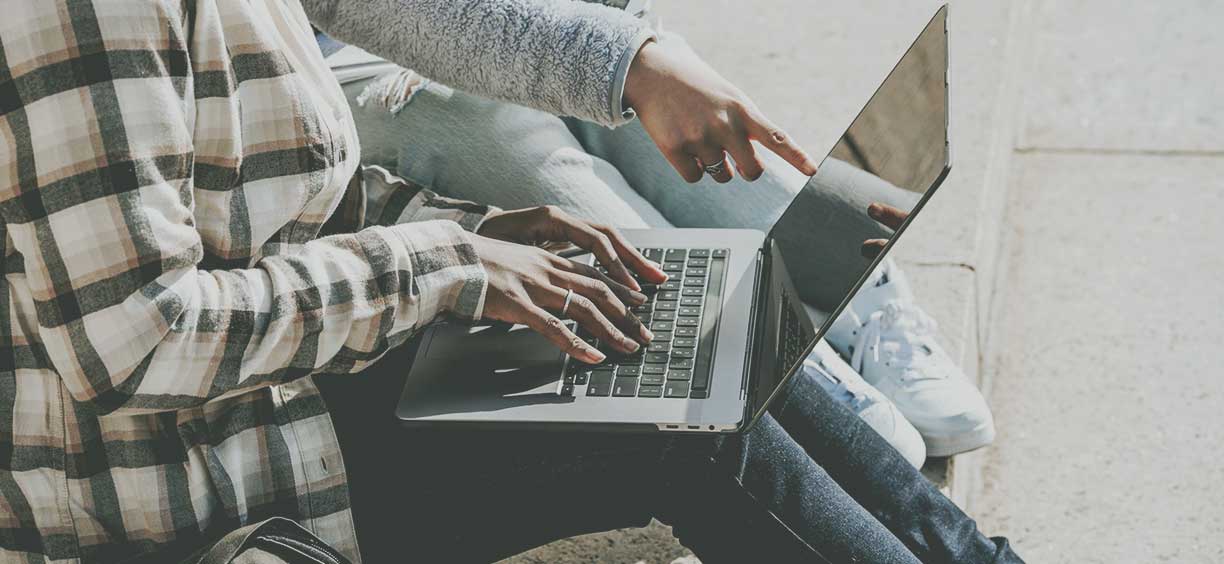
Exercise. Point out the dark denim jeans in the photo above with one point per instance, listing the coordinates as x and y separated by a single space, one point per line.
809 483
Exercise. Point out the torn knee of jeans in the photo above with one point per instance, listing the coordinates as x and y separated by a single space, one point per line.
392 91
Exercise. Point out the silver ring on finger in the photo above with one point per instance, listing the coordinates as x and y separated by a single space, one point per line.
716 168
569 297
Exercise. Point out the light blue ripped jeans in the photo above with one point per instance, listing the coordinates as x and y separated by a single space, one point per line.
465 146
468 147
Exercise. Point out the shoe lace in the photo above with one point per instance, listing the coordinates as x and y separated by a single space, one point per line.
854 399
907 327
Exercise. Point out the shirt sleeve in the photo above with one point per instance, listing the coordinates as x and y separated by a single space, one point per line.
96 198
560 56
391 200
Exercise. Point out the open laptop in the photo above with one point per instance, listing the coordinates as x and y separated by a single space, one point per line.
730 326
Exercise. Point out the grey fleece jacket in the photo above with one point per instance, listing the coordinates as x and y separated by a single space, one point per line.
563 57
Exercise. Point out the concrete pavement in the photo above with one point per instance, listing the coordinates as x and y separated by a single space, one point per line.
1106 341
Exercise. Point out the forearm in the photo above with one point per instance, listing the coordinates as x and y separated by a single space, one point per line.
560 56
193 335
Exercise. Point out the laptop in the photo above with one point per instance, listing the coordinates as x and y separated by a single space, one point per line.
731 324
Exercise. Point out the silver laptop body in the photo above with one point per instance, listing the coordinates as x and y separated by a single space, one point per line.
753 329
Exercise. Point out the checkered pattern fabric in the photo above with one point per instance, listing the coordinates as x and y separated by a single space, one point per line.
165 168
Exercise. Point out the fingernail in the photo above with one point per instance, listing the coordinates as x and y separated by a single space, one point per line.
646 334
638 297
631 344
596 355
634 285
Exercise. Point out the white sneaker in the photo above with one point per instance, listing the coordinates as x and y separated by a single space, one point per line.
891 343
849 389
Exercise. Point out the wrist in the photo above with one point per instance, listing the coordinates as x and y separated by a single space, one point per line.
642 74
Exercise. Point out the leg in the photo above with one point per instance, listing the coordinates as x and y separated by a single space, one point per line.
881 480
428 495
460 496
496 153
760 498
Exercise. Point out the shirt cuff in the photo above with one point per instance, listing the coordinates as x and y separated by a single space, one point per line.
447 274
620 114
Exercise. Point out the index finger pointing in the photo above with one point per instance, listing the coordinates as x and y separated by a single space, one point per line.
776 140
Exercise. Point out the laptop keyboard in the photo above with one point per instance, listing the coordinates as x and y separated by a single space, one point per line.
683 315
793 341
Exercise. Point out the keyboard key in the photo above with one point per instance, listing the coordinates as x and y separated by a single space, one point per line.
691 301
682 353
653 379
681 364
672 284
662 336
629 371
675 255
700 394
680 375
691 282
582 377
686 322
699 253
693 292
601 383
650 391
661 316
662 325
656 358
666 306
685 332
669 296
698 262
677 389
684 343
695 272
658 347
719 253
644 308
673 267
689 312
624 387
653 254
648 369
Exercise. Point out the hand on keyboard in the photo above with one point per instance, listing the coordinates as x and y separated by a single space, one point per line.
550 223
536 288
683 313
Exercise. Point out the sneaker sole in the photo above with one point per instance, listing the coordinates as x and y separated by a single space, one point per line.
947 446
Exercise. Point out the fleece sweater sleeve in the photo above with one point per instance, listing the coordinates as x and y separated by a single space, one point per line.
564 57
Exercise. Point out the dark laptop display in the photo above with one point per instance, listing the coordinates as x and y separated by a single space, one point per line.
894 153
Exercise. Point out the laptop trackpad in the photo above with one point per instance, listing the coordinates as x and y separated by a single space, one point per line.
486 361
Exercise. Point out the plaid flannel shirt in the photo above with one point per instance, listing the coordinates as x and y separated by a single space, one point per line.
165 168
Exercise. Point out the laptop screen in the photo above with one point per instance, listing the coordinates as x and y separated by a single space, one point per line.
892 156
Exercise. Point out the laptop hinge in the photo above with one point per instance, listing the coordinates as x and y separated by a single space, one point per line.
754 317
